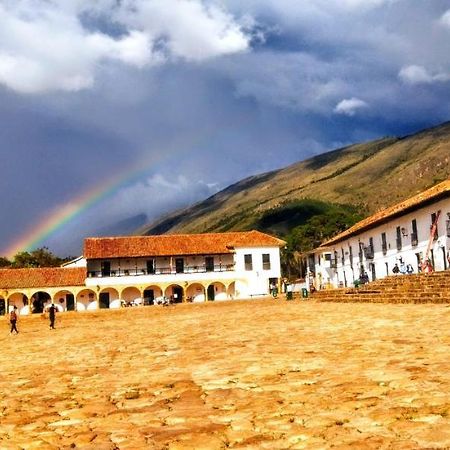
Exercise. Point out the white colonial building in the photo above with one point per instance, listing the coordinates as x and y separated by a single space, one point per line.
411 233
117 271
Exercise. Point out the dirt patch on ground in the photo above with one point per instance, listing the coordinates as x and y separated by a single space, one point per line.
248 375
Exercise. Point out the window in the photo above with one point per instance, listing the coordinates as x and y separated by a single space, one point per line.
369 251
434 221
151 266
414 235
248 262
333 263
399 238
350 255
383 243
343 256
266 261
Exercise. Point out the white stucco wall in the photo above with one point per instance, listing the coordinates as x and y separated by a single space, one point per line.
382 263
248 282
256 281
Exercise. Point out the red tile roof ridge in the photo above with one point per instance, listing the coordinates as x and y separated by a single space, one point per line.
42 277
220 233
380 216
176 244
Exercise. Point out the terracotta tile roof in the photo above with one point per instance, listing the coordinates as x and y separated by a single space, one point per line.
437 192
176 244
42 277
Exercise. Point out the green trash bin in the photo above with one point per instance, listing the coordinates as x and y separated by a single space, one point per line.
304 293
289 295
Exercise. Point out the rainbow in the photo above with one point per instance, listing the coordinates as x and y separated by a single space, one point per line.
62 215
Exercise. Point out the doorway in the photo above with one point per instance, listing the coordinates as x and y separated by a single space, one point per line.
374 274
419 262
2 307
209 264
179 265
211 293
149 296
177 294
70 302
106 268
103 300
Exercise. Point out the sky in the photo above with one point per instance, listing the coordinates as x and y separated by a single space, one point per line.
114 112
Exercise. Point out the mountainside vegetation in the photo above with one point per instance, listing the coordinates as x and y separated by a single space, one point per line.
310 201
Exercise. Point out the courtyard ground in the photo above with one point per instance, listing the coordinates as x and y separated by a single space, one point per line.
257 374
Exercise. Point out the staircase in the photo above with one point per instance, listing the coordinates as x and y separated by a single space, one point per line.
415 288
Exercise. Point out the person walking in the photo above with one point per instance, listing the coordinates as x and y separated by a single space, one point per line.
13 320
52 316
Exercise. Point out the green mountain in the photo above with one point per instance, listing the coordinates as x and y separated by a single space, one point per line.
363 177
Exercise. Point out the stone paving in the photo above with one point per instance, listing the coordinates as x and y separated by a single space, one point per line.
259 374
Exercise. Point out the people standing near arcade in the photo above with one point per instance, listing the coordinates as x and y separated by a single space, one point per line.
13 317
52 316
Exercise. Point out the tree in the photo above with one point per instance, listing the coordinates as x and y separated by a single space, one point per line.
41 257
4 262
317 229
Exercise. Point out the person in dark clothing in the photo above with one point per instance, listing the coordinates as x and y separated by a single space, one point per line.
13 320
52 316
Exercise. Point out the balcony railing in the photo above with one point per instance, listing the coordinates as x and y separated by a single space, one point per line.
158 271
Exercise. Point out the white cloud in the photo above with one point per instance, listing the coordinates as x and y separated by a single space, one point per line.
445 18
44 46
350 106
420 75
188 29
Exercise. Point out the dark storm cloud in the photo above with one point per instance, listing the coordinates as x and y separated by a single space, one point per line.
199 95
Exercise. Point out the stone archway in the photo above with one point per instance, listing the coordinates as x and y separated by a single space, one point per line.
195 292
39 301
86 300
64 300
109 298
131 296
231 291
217 291
175 293
152 294
20 300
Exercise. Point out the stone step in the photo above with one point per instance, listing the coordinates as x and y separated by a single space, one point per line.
415 288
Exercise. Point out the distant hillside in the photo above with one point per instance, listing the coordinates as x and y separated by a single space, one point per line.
370 176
